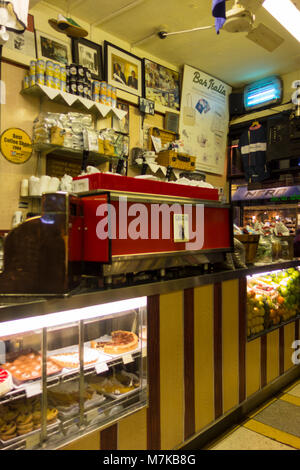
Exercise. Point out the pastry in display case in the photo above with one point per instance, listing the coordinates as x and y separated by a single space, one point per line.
67 372
272 299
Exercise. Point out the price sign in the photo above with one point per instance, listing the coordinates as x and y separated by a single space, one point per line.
127 358
33 389
102 367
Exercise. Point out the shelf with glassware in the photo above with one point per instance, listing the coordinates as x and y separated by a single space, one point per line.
71 372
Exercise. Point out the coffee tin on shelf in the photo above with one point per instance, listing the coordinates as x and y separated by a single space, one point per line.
56 83
113 97
73 71
103 88
73 87
80 88
49 68
80 72
32 80
108 90
86 89
40 79
26 83
87 74
32 67
63 74
40 67
56 71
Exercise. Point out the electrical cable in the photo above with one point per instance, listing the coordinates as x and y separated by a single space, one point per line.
164 34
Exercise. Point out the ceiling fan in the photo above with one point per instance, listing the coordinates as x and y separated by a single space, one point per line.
241 19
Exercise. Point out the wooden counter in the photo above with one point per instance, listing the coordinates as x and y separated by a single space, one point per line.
203 373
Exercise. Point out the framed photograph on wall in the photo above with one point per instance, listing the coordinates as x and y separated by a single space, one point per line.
88 54
123 70
23 43
121 125
161 85
51 48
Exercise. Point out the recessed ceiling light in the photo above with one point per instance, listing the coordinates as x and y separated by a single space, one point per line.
286 13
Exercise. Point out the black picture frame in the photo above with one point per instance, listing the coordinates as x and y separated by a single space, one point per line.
129 62
162 95
78 47
147 106
121 127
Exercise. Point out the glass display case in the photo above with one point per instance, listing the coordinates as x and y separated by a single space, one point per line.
272 299
69 373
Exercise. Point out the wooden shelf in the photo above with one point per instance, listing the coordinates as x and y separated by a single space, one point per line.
73 101
65 152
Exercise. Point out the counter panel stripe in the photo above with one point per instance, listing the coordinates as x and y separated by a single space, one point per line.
281 350
218 359
253 366
289 337
204 356
133 432
272 356
263 361
242 337
153 356
189 364
109 438
171 370
230 343
90 442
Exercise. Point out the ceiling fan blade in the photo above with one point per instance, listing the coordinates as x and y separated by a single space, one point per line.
265 37
252 5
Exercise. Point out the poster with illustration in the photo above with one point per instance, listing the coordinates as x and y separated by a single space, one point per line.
204 119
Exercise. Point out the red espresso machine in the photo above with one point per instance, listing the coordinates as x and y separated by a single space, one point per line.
115 226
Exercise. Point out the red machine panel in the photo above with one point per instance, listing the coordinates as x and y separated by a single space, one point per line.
139 185
95 248
137 228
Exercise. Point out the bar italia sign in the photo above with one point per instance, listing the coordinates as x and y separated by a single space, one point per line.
16 145
204 118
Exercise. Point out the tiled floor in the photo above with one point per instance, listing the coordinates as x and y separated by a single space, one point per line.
274 426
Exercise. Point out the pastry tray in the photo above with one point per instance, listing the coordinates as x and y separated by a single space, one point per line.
65 413
25 436
20 383
126 394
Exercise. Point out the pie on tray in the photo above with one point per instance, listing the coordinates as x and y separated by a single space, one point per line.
121 342
70 360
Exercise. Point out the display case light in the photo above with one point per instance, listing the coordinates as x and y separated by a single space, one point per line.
70 316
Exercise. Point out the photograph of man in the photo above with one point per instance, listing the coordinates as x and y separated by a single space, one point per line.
132 80
118 74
